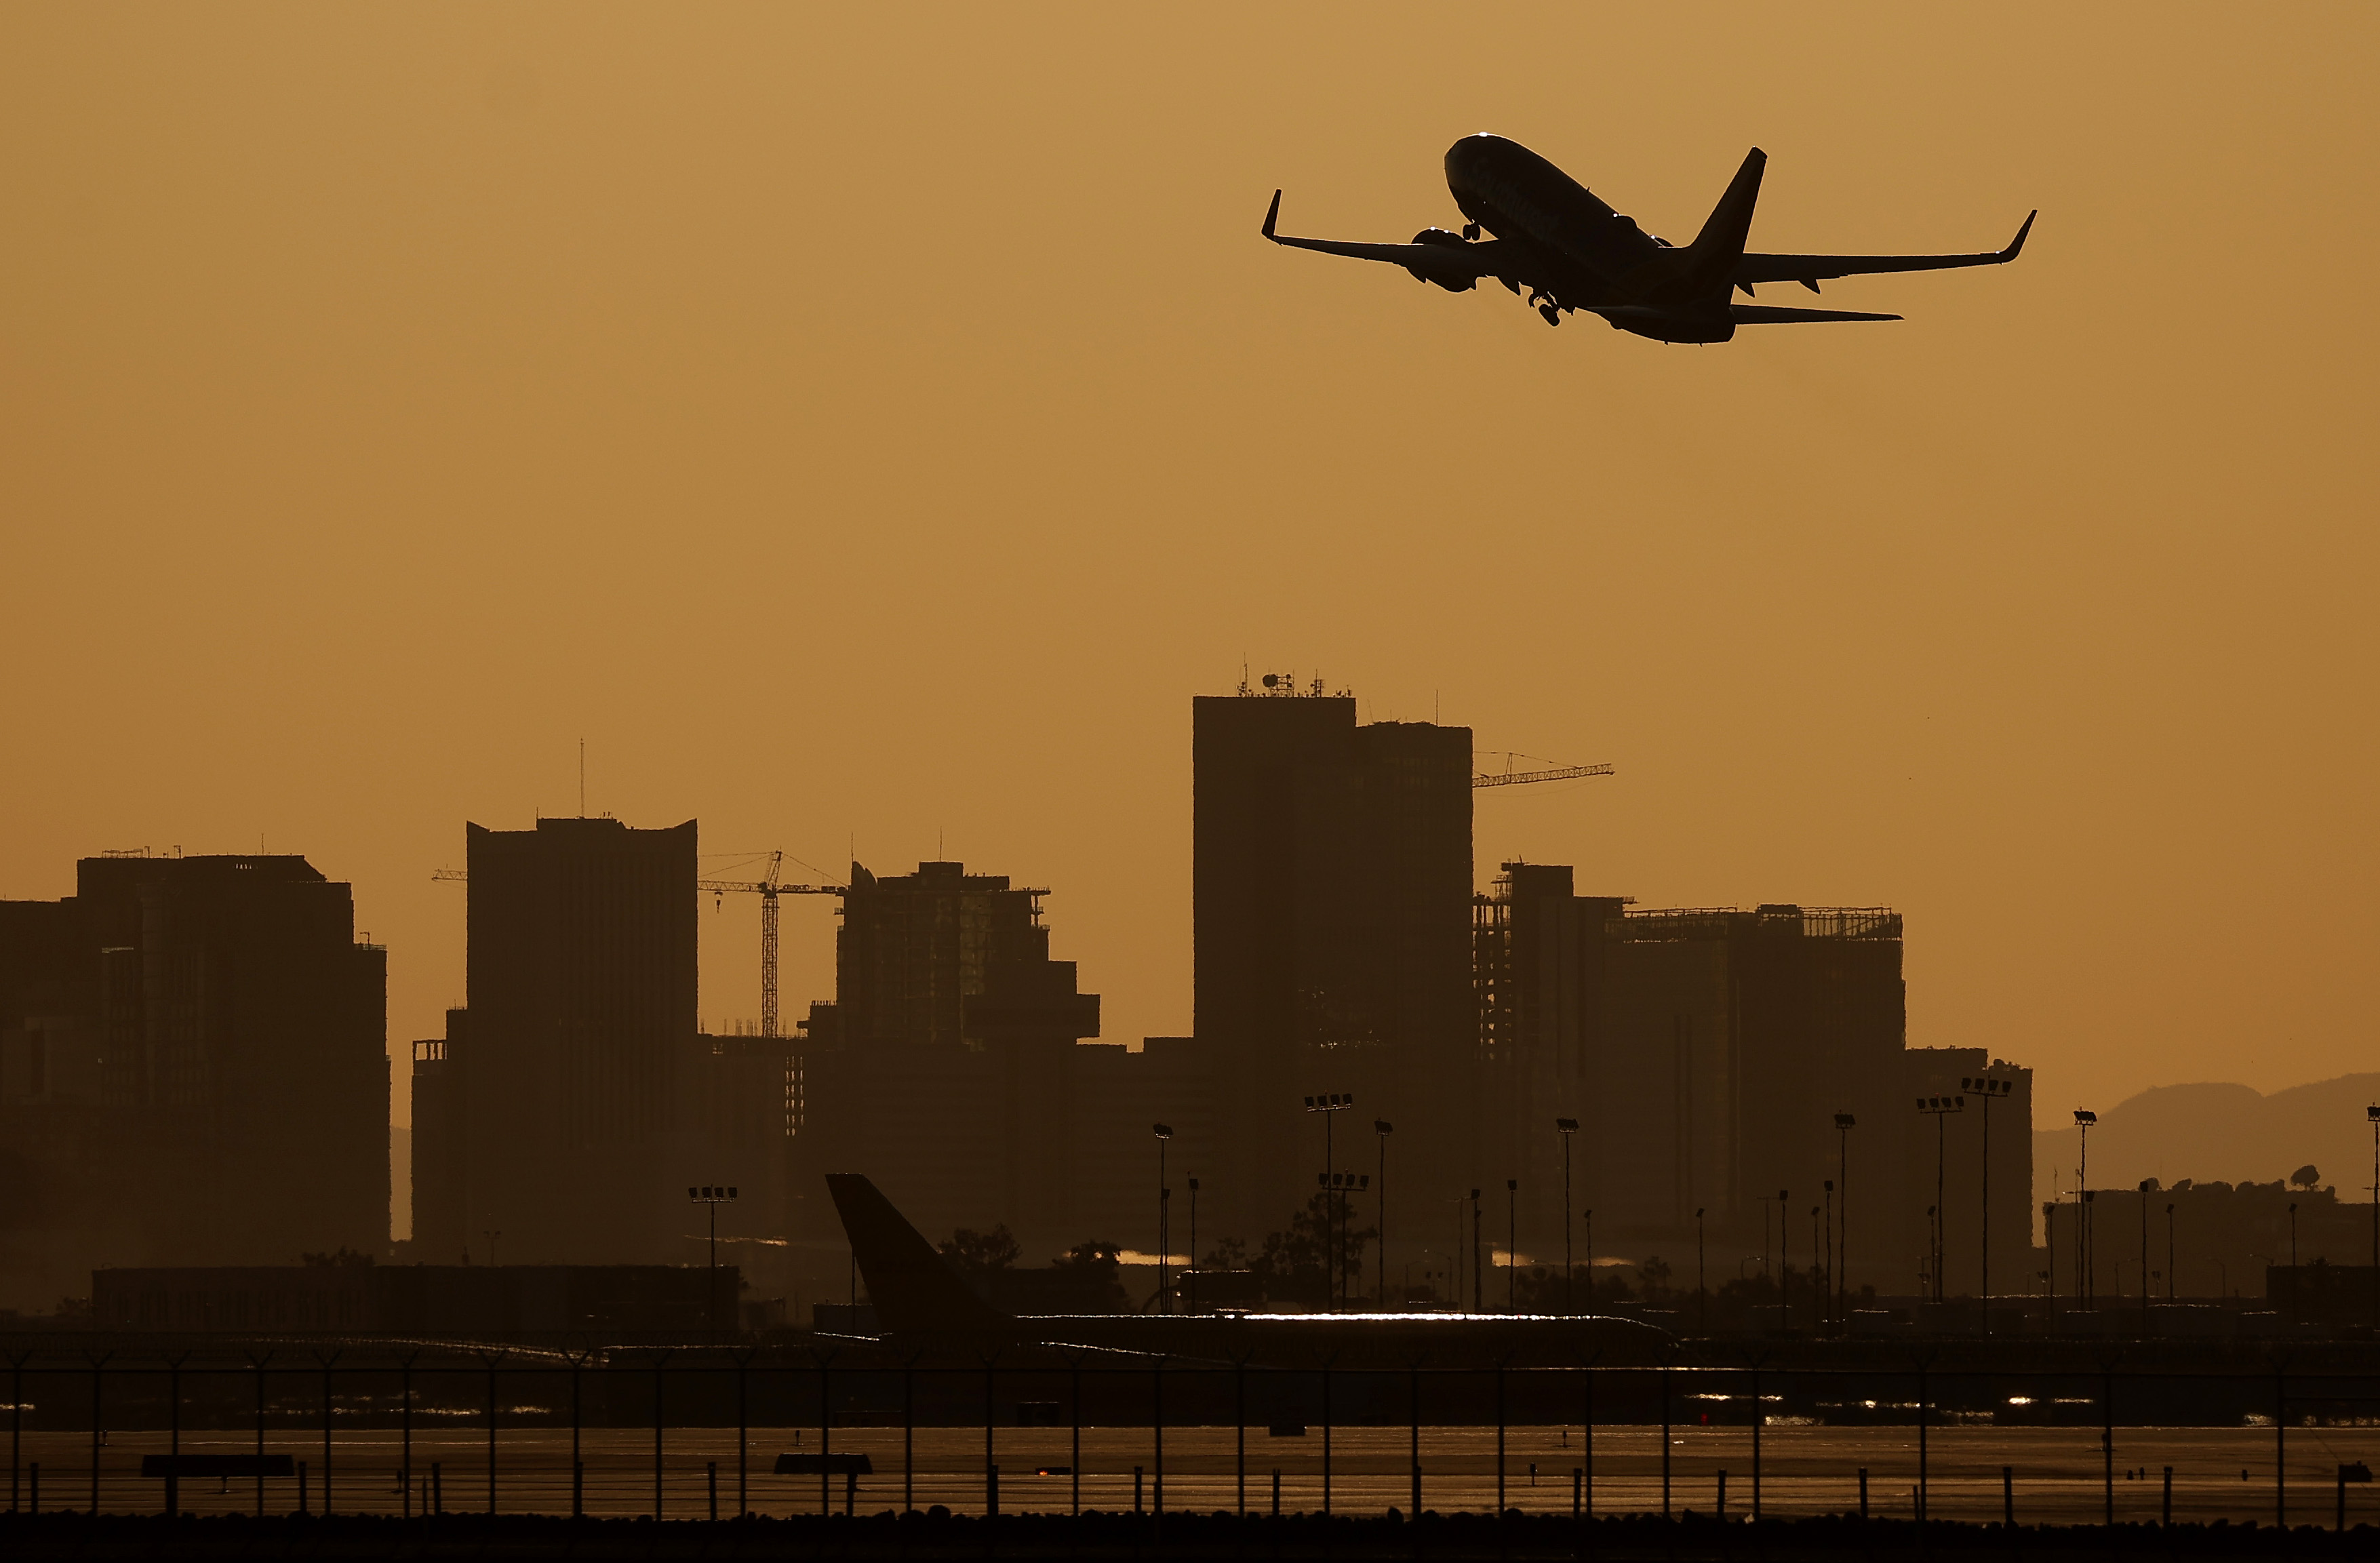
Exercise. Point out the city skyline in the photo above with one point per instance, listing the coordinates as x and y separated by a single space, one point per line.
423 398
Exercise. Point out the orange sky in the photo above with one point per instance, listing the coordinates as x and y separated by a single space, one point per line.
876 425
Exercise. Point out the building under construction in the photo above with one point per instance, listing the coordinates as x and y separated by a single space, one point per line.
1704 1057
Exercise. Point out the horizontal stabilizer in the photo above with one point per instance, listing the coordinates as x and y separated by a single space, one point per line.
914 1288
1771 314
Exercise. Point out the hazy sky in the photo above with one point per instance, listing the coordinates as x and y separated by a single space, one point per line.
874 425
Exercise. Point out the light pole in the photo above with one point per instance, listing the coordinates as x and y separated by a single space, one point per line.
2083 1285
1330 1105
1383 1128
1702 1287
1827 1312
1844 1124
1457 1250
1784 1265
1566 1127
1987 1086
2171 1279
1941 1108
1512 1245
710 1197
2148 1186
1589 1214
2293 1239
1190 1276
1164 1133
1817 1291
1337 1188
1479 1302
2373 1112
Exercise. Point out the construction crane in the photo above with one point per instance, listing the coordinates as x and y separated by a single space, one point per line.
768 888
1511 777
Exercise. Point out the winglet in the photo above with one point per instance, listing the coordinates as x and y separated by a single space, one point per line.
1273 213
2017 243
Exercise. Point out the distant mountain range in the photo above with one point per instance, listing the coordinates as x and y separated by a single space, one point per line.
2215 1133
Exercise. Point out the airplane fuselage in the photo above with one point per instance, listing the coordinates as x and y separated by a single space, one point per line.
1578 250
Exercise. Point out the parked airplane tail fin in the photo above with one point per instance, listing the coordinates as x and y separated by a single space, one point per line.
1728 227
913 1287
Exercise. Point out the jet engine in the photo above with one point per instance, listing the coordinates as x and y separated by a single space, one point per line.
1462 284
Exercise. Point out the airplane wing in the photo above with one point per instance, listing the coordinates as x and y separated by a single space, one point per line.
1808 270
1486 258
1770 314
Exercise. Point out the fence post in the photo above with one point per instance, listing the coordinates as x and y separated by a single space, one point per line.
1156 1439
1276 1488
657 1434
1664 1440
1239 1440
1326 1443
1862 1475
491 1433
1412 1417
2007 1496
2108 1438
1722 1498
2280 1447
1756 1420
326 1362
259 1363
712 1473
98 1370
577 1466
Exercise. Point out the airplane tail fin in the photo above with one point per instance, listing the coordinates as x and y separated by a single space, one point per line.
1719 246
913 1287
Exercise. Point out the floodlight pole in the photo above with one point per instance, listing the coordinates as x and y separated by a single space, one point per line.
1941 1108
1164 1133
1382 1128
1989 1087
1190 1276
2373 1112
711 1197
1844 1124
1566 1127
1330 1105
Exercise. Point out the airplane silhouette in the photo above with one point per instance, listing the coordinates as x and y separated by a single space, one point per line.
921 1298
1571 251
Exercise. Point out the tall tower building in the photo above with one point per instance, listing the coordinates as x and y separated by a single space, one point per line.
193 1070
1331 883
564 1071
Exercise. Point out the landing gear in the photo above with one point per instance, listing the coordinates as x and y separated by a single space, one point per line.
1552 315
1470 231
1543 302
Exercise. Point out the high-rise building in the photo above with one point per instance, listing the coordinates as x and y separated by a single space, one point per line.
563 1076
944 1068
193 1070
1331 868
1703 1055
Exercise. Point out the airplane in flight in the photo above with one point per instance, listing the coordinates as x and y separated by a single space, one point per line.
1554 236
921 1298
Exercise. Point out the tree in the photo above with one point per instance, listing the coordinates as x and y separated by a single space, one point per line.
1294 1263
977 1253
